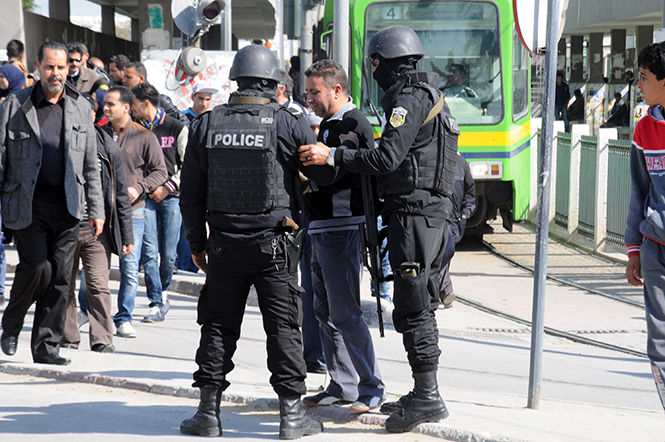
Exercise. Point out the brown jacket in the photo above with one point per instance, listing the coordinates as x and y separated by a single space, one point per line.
86 80
144 162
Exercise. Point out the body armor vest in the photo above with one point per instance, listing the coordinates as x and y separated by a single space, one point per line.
244 175
430 166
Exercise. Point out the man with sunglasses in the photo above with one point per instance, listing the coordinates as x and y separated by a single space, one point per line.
79 76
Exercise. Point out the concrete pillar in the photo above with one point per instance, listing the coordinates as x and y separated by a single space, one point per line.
59 9
644 37
135 30
595 52
155 24
108 20
11 22
576 132
576 58
536 124
558 127
602 155
618 55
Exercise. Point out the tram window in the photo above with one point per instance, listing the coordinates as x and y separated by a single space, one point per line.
461 43
520 78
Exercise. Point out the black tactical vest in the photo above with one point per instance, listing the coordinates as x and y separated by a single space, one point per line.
244 175
431 166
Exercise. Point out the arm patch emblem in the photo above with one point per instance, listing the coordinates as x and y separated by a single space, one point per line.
398 117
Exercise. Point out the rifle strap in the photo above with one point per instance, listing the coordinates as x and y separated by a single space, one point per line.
435 110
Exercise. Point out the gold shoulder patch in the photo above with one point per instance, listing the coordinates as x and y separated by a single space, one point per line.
398 117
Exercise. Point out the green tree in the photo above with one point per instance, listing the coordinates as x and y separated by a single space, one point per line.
29 5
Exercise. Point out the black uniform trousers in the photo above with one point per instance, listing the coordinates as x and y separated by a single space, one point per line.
231 273
416 238
46 252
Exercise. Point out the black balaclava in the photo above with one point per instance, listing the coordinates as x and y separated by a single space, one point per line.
389 71
265 88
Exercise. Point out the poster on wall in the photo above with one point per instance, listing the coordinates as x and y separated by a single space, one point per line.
168 79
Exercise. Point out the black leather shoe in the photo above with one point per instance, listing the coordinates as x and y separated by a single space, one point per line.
53 359
8 343
69 345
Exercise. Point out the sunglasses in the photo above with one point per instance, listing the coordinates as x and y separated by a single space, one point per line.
74 60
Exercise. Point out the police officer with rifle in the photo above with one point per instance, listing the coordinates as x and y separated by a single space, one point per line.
415 163
240 175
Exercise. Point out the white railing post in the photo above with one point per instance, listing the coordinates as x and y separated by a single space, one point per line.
602 157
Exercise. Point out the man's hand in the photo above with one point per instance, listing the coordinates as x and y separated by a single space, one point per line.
200 261
159 194
97 226
127 249
133 193
314 154
634 270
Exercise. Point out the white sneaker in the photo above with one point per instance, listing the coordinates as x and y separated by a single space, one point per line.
125 330
155 314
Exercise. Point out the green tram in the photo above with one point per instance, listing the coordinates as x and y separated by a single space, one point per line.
484 73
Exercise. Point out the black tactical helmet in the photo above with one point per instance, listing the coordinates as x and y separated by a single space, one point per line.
255 61
394 42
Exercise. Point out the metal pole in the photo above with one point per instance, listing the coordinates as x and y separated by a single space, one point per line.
538 314
341 34
279 31
227 31
306 45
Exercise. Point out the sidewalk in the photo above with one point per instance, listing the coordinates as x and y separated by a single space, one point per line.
588 394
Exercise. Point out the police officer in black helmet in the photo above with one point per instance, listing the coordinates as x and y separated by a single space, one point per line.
240 174
415 164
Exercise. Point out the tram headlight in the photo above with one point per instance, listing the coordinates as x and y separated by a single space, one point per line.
486 170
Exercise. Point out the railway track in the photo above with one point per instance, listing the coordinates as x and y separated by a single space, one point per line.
576 337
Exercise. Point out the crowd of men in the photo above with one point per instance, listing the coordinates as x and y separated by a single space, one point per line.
96 161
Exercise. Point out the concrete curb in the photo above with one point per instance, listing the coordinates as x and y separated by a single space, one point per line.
337 415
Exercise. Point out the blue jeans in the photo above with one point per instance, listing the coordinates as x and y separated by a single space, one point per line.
129 271
311 337
347 343
160 239
184 255
561 113
83 293
384 287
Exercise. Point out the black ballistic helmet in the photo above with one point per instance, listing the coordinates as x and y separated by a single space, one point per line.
395 42
255 61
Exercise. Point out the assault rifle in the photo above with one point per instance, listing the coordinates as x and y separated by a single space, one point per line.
372 243
371 238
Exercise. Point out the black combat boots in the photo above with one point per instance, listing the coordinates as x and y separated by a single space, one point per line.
424 405
394 407
293 421
206 420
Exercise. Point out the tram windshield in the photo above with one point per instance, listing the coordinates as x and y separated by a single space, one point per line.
461 44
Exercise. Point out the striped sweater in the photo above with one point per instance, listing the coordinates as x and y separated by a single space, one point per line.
646 211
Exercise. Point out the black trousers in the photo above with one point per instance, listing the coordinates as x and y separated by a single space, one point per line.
46 252
231 273
414 238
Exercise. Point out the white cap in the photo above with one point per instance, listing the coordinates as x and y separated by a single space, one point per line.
204 87
313 119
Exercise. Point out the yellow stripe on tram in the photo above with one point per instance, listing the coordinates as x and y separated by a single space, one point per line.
486 139
498 138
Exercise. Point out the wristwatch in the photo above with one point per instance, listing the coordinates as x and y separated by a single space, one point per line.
331 157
